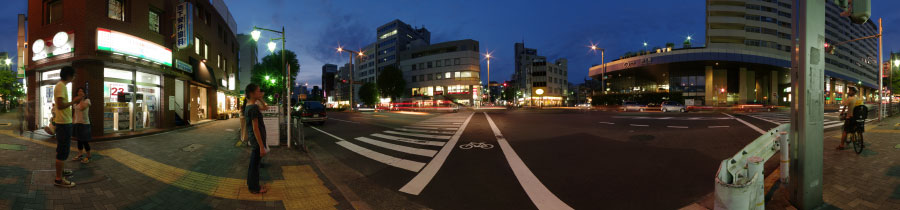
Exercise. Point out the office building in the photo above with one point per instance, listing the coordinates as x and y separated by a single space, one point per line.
328 77
447 71
541 83
248 58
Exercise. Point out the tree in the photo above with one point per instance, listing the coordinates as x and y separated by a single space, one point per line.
895 84
10 88
271 67
391 82
509 94
368 94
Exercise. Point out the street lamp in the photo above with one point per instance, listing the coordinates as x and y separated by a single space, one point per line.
896 63
255 34
487 56
602 64
350 53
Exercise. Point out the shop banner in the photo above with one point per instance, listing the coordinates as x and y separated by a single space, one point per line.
184 25
122 43
271 118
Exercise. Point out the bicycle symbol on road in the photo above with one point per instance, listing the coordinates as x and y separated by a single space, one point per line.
481 145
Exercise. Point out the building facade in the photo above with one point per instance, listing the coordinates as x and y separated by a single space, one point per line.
328 77
139 71
392 38
747 58
541 83
447 71
249 57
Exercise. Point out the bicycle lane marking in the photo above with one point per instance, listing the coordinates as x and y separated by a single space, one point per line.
418 183
539 194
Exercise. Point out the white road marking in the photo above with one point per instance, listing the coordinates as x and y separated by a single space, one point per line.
386 159
539 194
399 148
636 125
344 120
672 126
409 140
748 124
419 135
424 131
418 183
437 125
608 123
432 128
440 123
718 126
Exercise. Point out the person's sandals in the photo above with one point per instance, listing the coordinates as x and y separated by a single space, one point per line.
79 157
262 190
63 183
67 172
86 160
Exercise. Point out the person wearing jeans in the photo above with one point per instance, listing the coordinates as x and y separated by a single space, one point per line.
83 127
256 135
63 121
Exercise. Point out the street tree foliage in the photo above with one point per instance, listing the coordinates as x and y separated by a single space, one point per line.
10 89
368 94
391 82
895 83
271 66
509 94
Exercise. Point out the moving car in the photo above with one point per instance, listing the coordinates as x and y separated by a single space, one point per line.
630 105
672 106
312 112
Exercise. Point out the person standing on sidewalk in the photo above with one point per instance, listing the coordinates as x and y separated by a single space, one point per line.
82 127
847 114
63 121
256 134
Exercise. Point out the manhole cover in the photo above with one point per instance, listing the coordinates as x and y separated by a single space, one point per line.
191 148
641 138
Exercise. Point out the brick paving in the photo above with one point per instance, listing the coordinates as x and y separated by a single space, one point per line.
870 180
192 168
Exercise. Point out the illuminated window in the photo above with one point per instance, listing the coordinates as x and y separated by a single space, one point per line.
117 10
154 21
447 75
197 45
205 51
388 34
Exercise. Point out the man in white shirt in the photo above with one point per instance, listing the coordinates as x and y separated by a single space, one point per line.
63 122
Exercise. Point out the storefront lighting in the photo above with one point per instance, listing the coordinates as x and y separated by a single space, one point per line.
60 39
37 46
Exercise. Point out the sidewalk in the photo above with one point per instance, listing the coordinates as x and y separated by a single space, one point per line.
870 180
192 168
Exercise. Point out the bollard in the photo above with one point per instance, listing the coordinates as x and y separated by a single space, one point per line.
755 170
785 156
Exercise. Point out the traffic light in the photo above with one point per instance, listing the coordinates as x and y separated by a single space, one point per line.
859 11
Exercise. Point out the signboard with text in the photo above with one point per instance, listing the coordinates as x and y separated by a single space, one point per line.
184 25
122 43
184 66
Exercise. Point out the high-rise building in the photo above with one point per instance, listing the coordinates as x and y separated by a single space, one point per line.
248 58
541 83
391 38
328 77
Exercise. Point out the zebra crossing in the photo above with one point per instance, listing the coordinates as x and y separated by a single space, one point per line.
831 119
409 147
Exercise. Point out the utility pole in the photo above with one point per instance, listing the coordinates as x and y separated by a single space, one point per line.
880 73
807 110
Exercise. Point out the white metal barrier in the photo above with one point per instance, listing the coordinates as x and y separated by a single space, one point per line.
739 181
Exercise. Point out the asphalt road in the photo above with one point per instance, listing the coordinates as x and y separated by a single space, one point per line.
554 159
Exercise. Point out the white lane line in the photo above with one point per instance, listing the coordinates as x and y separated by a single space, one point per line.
419 135
636 125
424 131
672 126
748 124
399 148
344 120
436 125
539 194
608 123
437 122
386 159
718 126
418 183
409 140
432 128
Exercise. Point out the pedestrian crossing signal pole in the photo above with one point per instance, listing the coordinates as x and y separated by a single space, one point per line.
807 108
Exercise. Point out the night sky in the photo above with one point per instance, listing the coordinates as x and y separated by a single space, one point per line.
557 29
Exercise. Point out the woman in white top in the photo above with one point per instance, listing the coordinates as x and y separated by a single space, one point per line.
82 127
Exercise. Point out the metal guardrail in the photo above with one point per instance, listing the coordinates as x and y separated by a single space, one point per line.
739 181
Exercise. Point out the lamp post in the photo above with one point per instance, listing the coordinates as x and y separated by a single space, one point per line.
487 56
602 65
255 34
352 83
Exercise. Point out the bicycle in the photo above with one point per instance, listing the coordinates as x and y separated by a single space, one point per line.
481 145
855 136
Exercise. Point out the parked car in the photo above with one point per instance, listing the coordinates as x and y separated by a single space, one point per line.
672 106
629 105
311 112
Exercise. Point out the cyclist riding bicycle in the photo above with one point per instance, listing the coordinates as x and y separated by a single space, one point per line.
848 113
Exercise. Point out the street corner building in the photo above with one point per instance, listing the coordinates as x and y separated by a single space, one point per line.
447 71
746 59
145 64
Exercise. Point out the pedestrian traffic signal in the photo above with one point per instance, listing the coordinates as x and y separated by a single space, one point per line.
859 11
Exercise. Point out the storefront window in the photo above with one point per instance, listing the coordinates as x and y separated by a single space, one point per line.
129 104
48 81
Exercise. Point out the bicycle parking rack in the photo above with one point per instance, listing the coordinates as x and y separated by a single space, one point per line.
739 180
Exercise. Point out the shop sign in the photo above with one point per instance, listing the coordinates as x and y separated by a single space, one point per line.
116 88
61 43
121 43
116 104
184 25
643 61
147 90
184 66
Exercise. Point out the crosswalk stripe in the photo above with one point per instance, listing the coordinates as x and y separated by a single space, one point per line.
399 148
419 135
437 125
432 128
409 140
386 159
424 131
